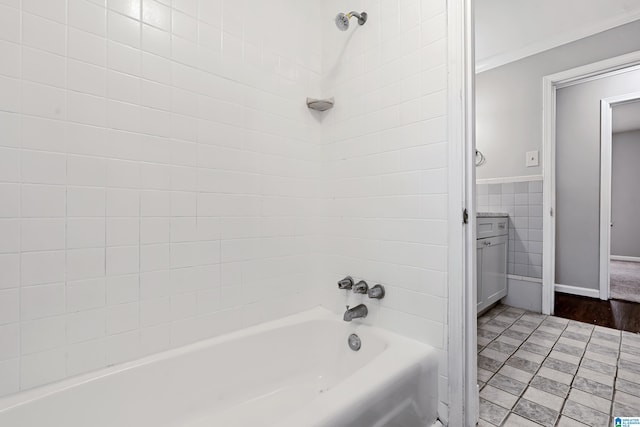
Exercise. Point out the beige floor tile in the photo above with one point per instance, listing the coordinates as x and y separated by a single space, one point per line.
514 420
580 328
557 321
628 387
627 399
603 348
509 340
633 342
484 375
634 358
550 386
506 319
595 376
495 355
590 400
560 365
516 374
542 341
577 336
552 331
629 376
573 343
535 348
585 414
502 347
604 343
536 412
581 387
608 331
527 355
552 374
569 422
508 384
594 365
483 341
492 328
498 397
629 350
593 387
492 413
565 357
621 410
629 365
543 398
604 358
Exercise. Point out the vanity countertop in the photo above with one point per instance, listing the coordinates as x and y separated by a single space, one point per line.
492 215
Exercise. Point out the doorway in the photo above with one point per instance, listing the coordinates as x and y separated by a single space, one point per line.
620 200
574 239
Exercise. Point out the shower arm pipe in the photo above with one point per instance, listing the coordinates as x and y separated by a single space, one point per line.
362 17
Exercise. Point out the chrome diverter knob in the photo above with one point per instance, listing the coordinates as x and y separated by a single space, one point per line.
361 287
377 292
346 283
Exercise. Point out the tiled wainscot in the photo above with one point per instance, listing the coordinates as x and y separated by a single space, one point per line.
523 202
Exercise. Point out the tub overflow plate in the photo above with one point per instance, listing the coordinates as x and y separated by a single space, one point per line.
354 342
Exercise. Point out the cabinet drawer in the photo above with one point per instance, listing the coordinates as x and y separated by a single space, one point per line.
492 226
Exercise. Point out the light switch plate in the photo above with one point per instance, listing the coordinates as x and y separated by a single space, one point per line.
533 159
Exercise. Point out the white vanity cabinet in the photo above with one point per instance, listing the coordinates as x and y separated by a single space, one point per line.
492 249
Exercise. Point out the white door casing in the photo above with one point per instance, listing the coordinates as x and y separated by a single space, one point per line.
550 84
463 400
606 146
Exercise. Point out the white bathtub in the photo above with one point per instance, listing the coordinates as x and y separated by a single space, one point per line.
297 371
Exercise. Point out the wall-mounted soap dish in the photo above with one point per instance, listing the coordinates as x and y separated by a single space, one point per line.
320 104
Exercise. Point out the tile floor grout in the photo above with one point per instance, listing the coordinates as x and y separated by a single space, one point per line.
561 416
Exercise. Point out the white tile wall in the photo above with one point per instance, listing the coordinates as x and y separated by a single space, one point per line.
385 164
165 182
157 166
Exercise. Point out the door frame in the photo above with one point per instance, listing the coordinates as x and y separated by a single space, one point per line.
550 85
606 163
462 369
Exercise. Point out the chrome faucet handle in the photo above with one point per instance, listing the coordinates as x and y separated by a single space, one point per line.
377 292
346 283
361 287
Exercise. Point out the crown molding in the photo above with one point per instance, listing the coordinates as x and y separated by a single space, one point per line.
555 41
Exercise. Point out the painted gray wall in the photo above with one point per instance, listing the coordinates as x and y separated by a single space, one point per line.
625 194
578 176
509 99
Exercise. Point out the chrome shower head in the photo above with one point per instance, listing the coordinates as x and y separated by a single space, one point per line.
342 19
342 22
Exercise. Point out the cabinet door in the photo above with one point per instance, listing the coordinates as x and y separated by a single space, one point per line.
479 249
494 269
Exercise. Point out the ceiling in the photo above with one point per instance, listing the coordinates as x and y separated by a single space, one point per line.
626 117
508 30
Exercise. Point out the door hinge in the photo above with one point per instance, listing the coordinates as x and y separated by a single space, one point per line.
551 212
465 216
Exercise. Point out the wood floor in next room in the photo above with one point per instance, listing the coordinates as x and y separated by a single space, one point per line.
538 370
622 315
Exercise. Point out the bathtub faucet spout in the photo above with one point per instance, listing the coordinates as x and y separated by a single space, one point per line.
359 311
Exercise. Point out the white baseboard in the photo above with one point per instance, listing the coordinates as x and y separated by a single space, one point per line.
524 278
625 258
575 290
